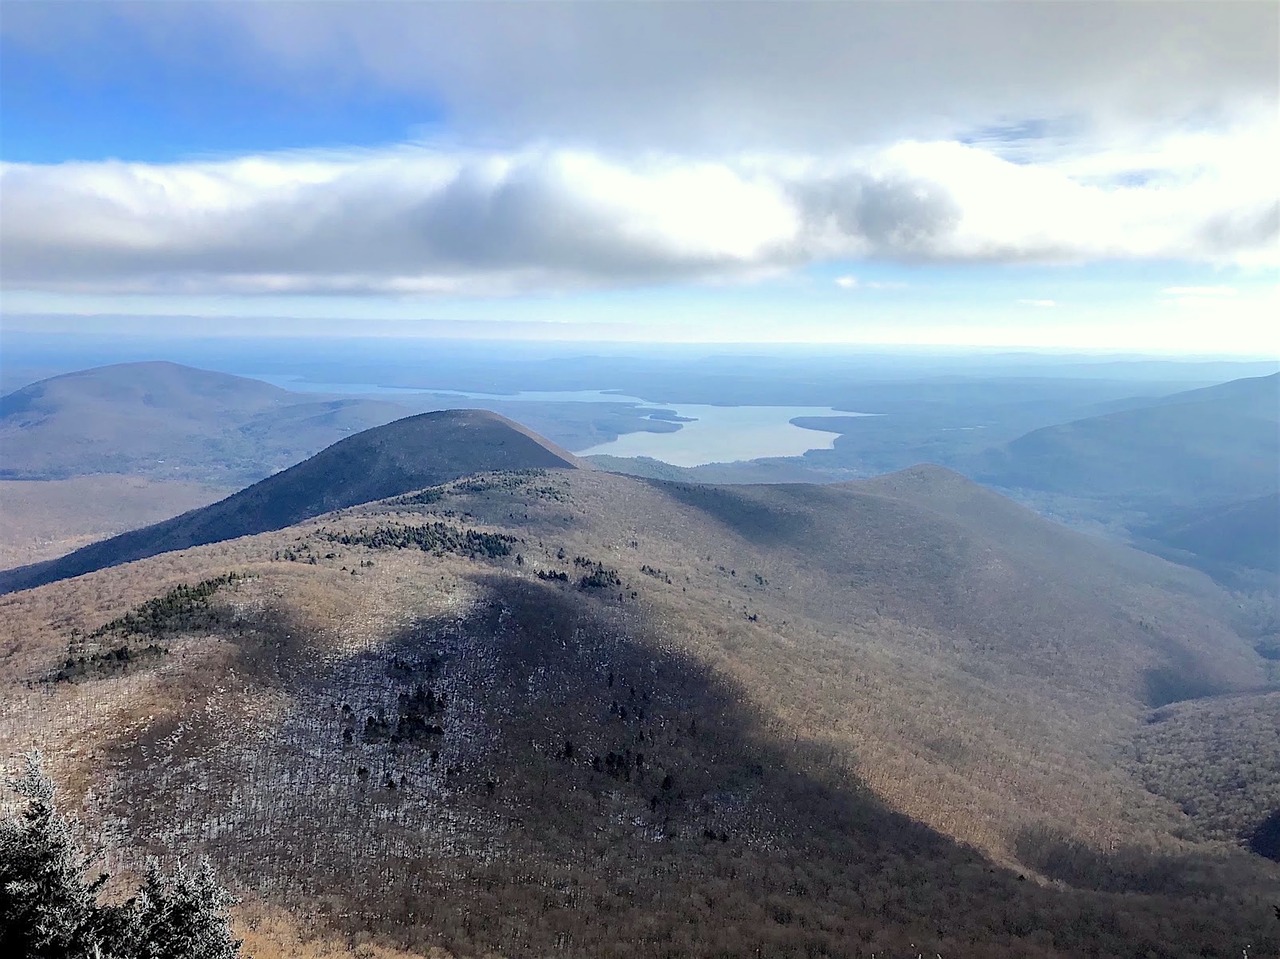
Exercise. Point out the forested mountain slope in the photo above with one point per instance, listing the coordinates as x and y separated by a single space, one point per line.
1203 447
405 455
652 718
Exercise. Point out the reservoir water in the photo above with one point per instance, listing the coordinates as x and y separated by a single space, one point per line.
712 434
724 434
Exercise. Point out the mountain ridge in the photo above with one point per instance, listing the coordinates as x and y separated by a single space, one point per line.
165 420
1208 446
400 457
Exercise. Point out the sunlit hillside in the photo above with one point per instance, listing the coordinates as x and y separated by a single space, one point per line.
795 717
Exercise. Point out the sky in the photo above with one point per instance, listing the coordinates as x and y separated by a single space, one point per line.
1063 175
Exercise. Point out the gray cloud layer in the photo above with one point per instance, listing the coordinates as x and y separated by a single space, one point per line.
721 75
609 143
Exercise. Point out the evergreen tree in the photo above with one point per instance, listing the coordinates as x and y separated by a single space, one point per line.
182 915
49 910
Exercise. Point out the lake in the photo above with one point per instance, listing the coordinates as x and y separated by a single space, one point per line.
725 434
713 434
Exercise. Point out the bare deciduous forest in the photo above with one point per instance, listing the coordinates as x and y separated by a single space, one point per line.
896 717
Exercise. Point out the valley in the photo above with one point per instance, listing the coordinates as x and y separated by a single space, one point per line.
44 519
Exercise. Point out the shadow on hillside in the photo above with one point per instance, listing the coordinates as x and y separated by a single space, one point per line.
1265 839
1166 685
539 774
1123 870
744 511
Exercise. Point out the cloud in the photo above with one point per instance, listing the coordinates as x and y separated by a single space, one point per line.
1039 304
404 221
853 283
717 76
414 220
594 145
1204 291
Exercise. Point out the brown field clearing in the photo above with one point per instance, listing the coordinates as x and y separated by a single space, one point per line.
42 519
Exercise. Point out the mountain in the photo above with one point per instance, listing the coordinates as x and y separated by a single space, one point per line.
571 712
166 421
1194 476
1252 396
406 455
1204 447
1244 534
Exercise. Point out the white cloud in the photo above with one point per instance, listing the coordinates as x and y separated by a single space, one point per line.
853 283
1039 304
629 144
1200 291
398 221
412 220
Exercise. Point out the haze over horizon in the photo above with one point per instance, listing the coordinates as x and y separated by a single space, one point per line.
1046 176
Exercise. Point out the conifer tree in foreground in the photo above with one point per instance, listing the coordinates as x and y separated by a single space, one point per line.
49 909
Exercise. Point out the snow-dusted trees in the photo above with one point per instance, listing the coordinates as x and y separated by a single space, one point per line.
182 915
49 908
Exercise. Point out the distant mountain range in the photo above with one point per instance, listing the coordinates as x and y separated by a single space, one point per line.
1143 470
166 421
1207 447
1243 534
440 670
1208 456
